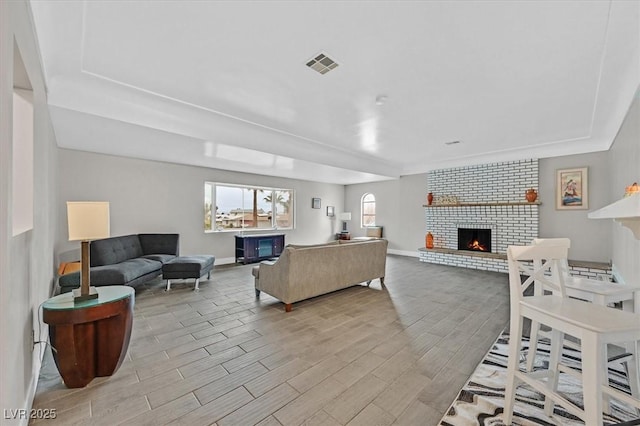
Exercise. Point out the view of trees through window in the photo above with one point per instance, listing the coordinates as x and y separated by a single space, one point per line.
231 207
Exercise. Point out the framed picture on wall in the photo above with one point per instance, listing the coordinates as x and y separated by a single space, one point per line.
315 203
572 190
331 211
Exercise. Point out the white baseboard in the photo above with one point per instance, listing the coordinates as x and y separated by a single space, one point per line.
33 385
403 252
225 261
230 260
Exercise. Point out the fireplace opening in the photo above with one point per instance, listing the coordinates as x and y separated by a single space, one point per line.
474 239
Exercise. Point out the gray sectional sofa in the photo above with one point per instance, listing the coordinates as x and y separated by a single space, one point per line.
126 260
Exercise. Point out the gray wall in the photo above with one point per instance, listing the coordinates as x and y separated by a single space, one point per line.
150 196
27 270
398 209
624 158
590 239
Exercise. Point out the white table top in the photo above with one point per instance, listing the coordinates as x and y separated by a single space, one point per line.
604 288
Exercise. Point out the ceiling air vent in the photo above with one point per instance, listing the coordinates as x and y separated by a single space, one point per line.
322 63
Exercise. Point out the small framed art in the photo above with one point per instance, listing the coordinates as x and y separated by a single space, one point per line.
572 190
315 203
331 211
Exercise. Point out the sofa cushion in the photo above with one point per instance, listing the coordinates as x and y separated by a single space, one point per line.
160 243
115 250
123 272
163 258
69 267
188 263
297 246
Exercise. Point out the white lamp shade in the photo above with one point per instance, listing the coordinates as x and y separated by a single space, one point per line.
88 220
345 216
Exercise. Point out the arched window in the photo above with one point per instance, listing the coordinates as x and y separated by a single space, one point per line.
368 210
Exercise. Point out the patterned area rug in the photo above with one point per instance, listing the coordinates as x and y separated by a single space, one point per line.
481 401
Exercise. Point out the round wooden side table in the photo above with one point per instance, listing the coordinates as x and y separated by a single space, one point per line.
91 337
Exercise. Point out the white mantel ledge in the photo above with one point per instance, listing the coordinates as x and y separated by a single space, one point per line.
626 211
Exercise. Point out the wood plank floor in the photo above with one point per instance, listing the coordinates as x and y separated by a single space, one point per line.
361 356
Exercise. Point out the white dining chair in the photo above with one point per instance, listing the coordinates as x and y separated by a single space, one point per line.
535 332
595 291
595 326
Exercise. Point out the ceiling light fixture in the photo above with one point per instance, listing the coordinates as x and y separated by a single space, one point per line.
322 63
381 99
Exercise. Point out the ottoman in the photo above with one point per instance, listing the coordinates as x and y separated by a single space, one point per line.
188 267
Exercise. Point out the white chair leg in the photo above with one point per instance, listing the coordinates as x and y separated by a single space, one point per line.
513 360
557 340
197 287
593 356
632 369
168 285
606 398
533 345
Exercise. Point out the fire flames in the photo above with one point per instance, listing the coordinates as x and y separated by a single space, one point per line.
475 245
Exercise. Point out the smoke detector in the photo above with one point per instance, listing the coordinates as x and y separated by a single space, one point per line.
322 63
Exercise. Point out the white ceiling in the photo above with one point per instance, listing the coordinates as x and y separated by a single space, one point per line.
223 84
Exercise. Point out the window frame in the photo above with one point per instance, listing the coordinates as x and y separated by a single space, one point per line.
212 187
362 209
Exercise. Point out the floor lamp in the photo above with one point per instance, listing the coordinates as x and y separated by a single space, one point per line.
88 220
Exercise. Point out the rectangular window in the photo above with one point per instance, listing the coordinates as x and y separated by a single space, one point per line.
229 207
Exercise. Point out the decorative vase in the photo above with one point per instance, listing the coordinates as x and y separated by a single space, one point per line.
631 189
430 198
531 195
429 240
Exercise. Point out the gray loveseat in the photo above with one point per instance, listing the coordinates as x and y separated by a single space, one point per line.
126 260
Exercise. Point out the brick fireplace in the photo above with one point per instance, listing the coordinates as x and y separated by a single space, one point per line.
491 197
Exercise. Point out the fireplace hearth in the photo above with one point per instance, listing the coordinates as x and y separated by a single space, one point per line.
473 239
